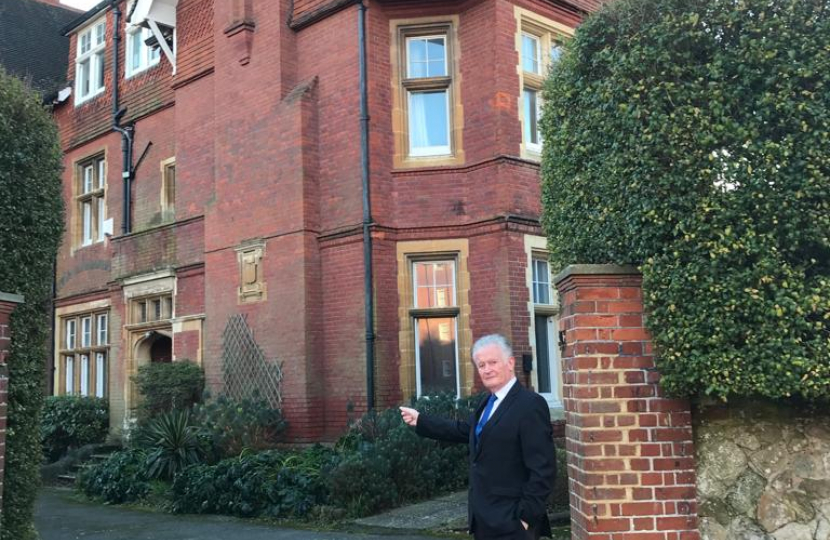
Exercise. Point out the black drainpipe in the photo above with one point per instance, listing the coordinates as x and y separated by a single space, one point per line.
367 211
125 131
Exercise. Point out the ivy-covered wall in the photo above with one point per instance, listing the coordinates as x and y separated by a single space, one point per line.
31 221
690 138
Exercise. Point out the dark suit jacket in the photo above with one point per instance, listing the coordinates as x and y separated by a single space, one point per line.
513 466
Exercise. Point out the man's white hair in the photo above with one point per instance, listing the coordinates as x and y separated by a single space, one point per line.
493 339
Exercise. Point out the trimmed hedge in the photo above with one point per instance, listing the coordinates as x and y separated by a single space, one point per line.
168 386
691 137
71 422
31 221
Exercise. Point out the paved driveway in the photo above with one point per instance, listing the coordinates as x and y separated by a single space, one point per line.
58 517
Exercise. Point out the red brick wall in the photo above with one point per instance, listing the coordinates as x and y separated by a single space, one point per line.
630 449
7 305
268 149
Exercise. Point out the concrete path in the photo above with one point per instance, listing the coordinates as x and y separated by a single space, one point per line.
447 513
59 517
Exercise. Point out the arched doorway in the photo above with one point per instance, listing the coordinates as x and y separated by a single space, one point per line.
155 346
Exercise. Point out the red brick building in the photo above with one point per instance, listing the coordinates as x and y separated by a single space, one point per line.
240 125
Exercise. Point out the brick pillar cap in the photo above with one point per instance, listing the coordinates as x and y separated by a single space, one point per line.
595 270
11 298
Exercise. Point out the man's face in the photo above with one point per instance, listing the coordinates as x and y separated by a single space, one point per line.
494 369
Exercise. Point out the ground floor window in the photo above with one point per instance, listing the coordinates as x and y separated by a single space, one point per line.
435 317
83 355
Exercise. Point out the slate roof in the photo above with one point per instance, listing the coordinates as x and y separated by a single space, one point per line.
31 44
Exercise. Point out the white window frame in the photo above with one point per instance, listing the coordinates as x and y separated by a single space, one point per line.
413 85
102 329
529 144
148 56
91 200
547 34
86 331
84 375
534 247
100 374
69 375
91 61
440 315
82 347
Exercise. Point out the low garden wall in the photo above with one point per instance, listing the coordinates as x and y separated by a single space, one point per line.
763 471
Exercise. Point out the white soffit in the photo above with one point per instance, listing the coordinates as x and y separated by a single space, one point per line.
159 11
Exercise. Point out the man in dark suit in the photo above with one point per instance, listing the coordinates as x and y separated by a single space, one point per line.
512 462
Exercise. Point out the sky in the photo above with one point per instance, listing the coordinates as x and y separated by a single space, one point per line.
80 4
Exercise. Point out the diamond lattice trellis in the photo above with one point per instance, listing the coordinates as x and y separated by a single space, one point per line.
247 372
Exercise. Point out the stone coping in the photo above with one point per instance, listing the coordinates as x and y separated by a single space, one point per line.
595 270
11 298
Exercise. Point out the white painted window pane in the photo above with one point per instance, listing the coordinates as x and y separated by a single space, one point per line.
103 329
100 218
429 128
89 173
70 334
531 117
427 57
541 282
99 70
530 53
86 331
87 223
100 374
86 43
99 34
69 377
83 78
101 173
84 375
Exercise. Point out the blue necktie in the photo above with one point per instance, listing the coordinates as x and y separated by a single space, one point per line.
485 415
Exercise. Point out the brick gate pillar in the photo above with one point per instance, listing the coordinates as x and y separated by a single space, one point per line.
7 304
630 450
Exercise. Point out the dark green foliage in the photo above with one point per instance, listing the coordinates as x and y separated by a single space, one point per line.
120 479
391 465
31 221
71 422
691 137
271 483
560 496
232 426
168 386
172 444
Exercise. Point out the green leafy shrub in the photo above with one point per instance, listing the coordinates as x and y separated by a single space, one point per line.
232 425
560 495
71 422
168 386
270 483
388 463
172 444
31 221
122 478
691 138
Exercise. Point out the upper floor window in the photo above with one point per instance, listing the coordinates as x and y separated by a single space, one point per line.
427 85
427 106
539 43
168 188
89 62
91 200
139 55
